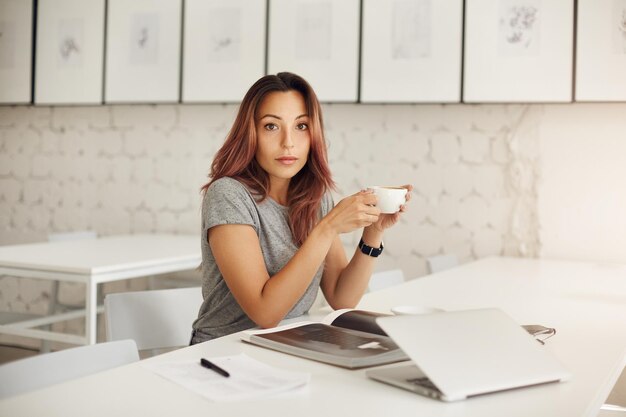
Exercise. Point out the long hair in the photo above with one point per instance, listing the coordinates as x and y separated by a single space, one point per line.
236 158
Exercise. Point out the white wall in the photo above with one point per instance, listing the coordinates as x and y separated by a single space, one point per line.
582 195
518 180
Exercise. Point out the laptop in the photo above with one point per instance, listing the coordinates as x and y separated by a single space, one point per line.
462 354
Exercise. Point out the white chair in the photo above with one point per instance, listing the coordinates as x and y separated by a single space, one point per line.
154 319
616 403
384 279
441 263
47 369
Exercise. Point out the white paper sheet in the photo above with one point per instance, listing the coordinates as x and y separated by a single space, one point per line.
249 378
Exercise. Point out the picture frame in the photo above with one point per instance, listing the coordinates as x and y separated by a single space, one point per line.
70 52
318 40
224 49
16 51
518 51
601 50
143 51
411 51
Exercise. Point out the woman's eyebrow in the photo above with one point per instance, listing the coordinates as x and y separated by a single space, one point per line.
280 118
270 115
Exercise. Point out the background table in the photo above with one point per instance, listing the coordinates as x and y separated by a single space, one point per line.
585 302
92 262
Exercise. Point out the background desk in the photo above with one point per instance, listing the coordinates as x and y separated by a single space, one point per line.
585 302
92 262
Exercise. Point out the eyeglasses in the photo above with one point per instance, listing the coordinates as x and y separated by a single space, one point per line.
540 333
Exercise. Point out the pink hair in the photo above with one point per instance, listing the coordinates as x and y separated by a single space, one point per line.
236 158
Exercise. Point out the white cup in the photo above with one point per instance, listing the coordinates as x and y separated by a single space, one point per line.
389 198
412 310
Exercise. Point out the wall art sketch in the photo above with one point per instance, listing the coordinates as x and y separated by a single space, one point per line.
619 26
224 49
318 39
313 31
411 51
144 39
70 43
411 31
143 51
16 29
518 51
70 52
7 44
601 51
224 43
519 27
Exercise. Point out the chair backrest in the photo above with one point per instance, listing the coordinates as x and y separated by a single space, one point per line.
441 263
154 319
40 371
384 279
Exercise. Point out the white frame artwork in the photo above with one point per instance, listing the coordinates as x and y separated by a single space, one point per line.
224 49
319 40
601 50
16 43
70 52
411 51
143 51
518 51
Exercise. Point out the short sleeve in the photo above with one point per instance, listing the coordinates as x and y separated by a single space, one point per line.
327 204
227 201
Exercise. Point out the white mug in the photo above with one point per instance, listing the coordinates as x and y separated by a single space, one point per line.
389 198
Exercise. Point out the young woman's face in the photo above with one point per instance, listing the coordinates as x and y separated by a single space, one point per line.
283 137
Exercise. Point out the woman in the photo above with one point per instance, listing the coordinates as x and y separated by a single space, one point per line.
270 233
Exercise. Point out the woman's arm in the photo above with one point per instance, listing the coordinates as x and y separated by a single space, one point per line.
343 282
267 300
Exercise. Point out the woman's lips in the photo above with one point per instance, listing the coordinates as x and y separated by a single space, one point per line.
287 160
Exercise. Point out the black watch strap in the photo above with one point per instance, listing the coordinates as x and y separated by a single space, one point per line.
370 251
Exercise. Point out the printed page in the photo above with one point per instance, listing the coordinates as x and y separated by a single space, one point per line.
245 335
249 378
361 320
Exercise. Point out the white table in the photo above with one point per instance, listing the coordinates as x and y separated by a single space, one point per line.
92 262
585 302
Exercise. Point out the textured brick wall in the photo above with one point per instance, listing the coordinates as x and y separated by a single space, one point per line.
132 169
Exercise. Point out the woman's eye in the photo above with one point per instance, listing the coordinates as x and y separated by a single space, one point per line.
302 126
271 126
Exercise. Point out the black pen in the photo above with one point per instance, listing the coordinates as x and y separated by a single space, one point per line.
208 364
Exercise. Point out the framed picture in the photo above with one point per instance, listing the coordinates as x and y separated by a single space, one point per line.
70 52
224 49
518 51
319 40
601 50
411 51
143 51
16 49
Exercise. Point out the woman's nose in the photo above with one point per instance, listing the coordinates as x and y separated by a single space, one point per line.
287 142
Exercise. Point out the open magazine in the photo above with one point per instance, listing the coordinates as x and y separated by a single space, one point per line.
346 338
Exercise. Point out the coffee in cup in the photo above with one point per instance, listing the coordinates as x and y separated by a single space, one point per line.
389 198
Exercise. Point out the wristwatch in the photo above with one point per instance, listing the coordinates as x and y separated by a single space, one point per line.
370 251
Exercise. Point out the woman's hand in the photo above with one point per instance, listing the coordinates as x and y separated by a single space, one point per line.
385 221
354 212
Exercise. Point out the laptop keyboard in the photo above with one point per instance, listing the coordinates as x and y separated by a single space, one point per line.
423 382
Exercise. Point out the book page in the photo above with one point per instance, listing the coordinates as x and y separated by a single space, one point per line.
361 320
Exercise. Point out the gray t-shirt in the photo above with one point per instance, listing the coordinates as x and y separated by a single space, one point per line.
227 201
